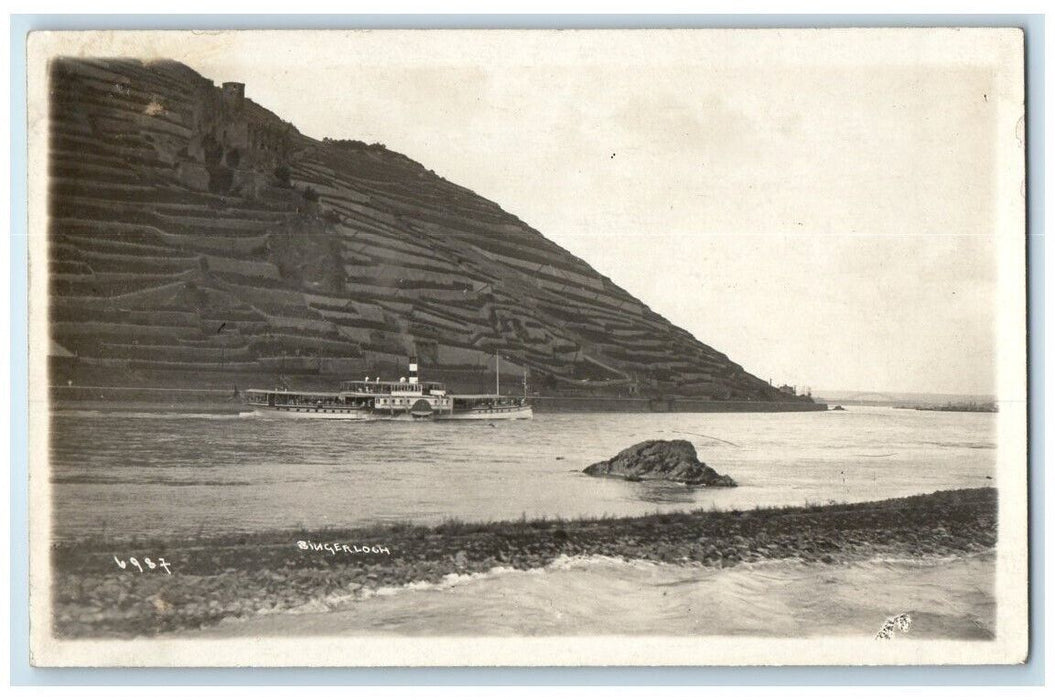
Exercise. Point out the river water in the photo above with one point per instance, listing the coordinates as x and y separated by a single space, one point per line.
944 598
126 473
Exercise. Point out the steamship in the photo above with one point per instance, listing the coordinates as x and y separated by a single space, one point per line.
370 400
490 406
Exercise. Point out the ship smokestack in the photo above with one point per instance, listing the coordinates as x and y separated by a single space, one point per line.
413 370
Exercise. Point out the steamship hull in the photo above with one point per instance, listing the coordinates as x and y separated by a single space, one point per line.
347 406
487 407
297 413
488 413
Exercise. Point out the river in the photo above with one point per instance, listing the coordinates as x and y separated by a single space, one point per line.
127 473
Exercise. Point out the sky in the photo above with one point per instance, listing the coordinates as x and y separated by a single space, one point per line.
827 208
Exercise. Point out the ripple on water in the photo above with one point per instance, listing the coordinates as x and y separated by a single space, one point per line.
948 598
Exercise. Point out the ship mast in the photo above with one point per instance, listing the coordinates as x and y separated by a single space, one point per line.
498 391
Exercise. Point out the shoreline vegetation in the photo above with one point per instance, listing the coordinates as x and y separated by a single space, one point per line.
238 575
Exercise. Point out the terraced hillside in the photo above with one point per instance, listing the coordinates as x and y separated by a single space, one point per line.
197 240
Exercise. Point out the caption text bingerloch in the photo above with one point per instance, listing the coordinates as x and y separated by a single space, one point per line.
338 547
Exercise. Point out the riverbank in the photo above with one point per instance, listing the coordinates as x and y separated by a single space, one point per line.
153 399
214 577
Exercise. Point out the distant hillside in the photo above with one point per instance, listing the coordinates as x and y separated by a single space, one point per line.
197 240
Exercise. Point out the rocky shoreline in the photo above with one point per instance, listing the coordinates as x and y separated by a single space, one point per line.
238 575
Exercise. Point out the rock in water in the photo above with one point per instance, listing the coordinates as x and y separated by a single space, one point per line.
669 460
